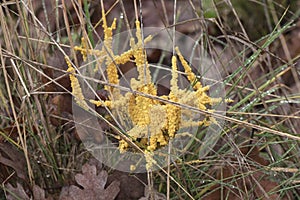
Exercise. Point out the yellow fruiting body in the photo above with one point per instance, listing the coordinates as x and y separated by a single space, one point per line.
190 75
76 89
132 167
149 159
154 123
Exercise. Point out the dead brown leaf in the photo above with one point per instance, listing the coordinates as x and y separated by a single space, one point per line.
10 156
39 193
16 193
91 186
134 190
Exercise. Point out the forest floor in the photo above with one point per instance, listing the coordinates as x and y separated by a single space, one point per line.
161 132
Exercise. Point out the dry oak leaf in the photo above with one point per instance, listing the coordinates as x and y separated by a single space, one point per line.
12 157
39 193
93 186
16 193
